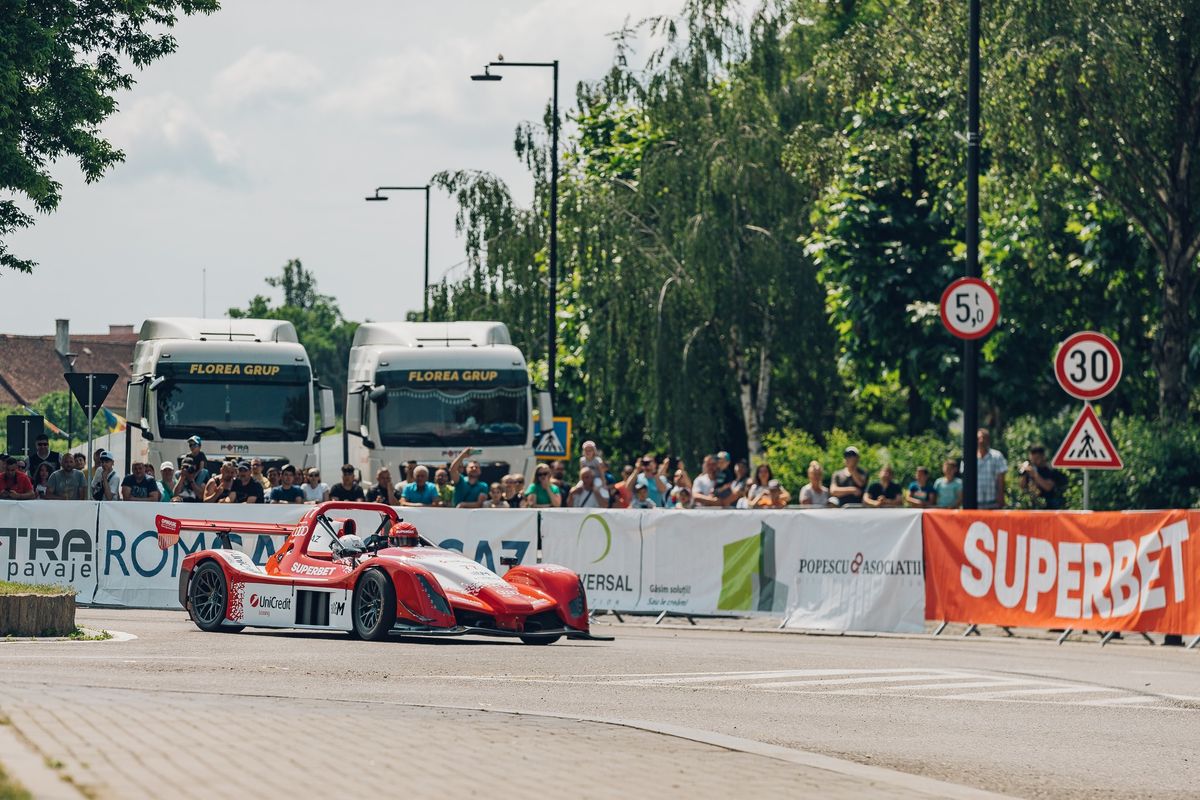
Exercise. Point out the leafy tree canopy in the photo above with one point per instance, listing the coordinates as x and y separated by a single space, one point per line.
61 64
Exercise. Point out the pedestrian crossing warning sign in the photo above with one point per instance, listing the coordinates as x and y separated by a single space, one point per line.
1087 446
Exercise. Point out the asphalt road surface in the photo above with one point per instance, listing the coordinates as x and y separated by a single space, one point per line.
711 711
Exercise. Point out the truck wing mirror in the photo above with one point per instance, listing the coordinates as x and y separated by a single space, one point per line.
545 412
328 416
378 395
135 404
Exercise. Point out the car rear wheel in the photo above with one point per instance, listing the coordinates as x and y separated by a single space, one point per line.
374 606
208 598
541 639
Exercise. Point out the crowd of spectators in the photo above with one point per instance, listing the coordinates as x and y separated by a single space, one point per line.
650 482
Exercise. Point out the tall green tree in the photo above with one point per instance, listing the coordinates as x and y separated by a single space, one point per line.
61 65
1110 90
324 332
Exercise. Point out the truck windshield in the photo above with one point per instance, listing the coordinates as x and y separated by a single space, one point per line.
453 416
232 409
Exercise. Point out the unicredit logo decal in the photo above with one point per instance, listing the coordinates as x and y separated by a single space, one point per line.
283 603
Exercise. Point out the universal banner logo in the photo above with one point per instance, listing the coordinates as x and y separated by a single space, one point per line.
748 575
598 534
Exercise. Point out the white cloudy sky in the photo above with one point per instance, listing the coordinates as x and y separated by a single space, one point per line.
257 141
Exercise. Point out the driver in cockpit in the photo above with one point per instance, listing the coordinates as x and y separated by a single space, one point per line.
403 534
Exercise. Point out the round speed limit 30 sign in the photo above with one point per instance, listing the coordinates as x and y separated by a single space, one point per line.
969 308
1088 365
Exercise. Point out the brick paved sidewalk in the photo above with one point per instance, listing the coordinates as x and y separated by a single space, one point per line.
129 743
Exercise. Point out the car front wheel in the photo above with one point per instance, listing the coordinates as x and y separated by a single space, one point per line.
374 606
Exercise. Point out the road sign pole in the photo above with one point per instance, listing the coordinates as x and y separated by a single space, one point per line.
970 349
90 412
1087 494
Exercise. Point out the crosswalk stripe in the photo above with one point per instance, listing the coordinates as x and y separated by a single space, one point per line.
1116 701
937 687
868 679
1012 692
715 677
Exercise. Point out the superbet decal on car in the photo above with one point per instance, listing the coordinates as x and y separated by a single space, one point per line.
325 576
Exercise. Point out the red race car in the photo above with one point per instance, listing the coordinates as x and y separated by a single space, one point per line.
327 577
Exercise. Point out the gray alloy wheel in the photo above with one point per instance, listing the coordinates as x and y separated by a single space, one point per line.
208 598
374 608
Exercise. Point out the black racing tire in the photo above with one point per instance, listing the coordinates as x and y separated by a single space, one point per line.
208 598
541 639
374 607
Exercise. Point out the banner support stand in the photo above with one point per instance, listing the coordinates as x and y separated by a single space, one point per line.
972 628
620 619
1107 637
940 628
660 618
1006 629
1193 643
1148 637
1065 634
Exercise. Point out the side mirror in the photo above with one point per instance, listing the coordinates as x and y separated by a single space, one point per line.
545 412
354 408
135 402
328 416
378 396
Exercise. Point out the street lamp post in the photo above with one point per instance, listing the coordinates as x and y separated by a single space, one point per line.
552 318
378 196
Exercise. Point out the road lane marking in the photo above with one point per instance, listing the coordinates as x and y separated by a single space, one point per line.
713 677
1051 690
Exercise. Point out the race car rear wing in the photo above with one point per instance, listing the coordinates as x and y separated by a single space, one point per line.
169 528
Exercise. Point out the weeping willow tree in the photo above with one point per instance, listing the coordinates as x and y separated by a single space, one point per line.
689 315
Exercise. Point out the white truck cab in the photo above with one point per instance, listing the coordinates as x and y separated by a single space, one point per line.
244 386
424 391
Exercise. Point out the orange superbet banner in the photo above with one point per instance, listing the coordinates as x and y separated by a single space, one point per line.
1131 571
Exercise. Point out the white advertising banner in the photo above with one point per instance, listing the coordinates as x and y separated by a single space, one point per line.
713 562
854 570
134 572
45 541
824 570
604 547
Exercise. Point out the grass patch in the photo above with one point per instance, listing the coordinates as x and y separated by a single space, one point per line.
80 635
47 589
10 789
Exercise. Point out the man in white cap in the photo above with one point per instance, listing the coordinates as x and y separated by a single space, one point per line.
167 481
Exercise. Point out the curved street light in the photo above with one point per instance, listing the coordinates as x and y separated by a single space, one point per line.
552 319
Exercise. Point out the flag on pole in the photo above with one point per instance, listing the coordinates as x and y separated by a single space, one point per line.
115 422
57 431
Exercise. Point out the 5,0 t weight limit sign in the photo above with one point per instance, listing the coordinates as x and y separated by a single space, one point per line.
969 308
1088 365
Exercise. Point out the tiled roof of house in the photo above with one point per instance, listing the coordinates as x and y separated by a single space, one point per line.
31 368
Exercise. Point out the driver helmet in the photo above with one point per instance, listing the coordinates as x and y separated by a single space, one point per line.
403 534
347 527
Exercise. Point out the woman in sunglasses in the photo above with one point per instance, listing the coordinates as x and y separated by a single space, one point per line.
542 493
